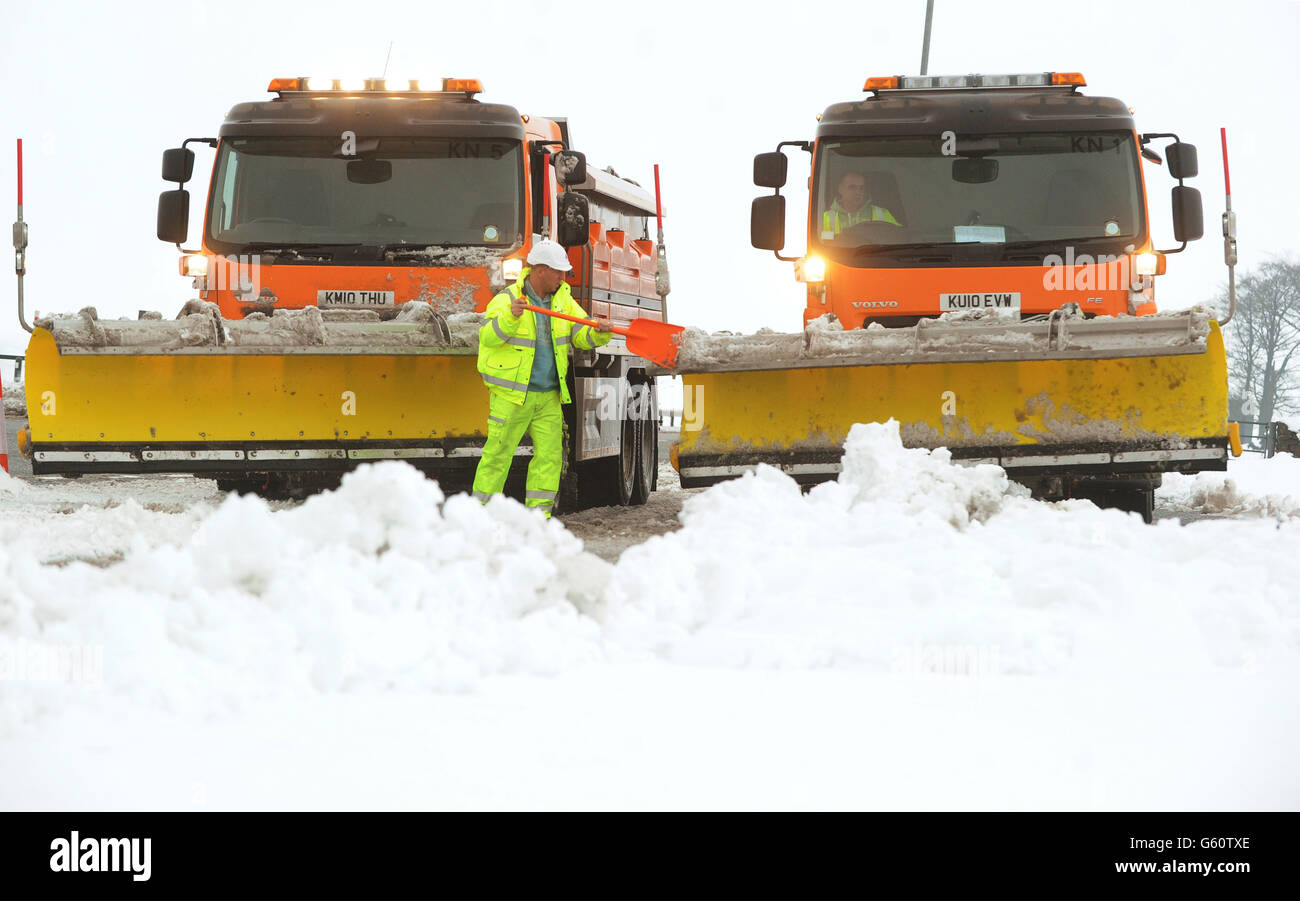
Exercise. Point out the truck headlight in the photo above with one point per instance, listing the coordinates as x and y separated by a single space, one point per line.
813 269
1145 264
194 265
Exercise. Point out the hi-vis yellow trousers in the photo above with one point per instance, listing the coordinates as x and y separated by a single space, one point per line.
540 416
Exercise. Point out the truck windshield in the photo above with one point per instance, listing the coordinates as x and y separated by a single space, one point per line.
419 192
1004 189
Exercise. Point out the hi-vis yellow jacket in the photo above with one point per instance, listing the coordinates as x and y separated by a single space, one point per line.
506 344
836 219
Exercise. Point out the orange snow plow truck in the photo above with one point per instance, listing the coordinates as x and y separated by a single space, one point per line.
981 268
352 237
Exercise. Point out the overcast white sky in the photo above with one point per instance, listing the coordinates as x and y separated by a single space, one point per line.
99 90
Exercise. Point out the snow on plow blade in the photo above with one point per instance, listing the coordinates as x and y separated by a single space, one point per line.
1105 396
297 392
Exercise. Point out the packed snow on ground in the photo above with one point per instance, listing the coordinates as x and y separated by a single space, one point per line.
98 519
15 401
1252 486
915 635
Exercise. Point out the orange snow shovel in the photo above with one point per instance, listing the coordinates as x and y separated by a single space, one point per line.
645 337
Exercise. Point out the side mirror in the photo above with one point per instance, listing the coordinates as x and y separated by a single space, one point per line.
573 217
178 164
1182 160
767 222
570 167
769 169
174 216
1189 219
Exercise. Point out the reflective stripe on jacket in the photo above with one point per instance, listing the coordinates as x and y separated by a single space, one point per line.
506 344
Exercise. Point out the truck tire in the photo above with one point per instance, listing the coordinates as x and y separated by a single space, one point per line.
609 481
622 468
647 460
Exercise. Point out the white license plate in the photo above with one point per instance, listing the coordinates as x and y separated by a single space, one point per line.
355 298
1001 301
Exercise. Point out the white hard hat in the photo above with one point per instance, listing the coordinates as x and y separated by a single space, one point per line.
547 253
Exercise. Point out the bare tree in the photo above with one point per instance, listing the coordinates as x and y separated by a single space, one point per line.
1263 338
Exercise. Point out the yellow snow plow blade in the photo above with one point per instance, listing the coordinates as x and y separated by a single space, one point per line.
1150 405
238 408
134 398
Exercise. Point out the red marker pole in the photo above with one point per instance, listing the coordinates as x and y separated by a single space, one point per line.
1229 232
1227 184
659 207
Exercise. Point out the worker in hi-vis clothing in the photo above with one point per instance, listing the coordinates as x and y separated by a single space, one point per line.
852 206
523 358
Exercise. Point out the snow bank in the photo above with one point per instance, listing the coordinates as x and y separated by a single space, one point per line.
99 519
15 401
1252 486
909 564
381 584
11 487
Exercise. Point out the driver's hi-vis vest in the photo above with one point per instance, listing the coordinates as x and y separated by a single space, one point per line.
836 219
506 344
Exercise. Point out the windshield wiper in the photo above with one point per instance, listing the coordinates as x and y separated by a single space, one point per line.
439 252
1009 249
868 249
301 251
1048 243
410 250
1022 249
322 252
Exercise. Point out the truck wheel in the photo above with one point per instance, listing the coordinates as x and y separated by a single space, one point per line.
647 452
609 481
654 482
623 469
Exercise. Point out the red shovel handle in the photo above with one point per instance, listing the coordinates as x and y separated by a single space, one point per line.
578 319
